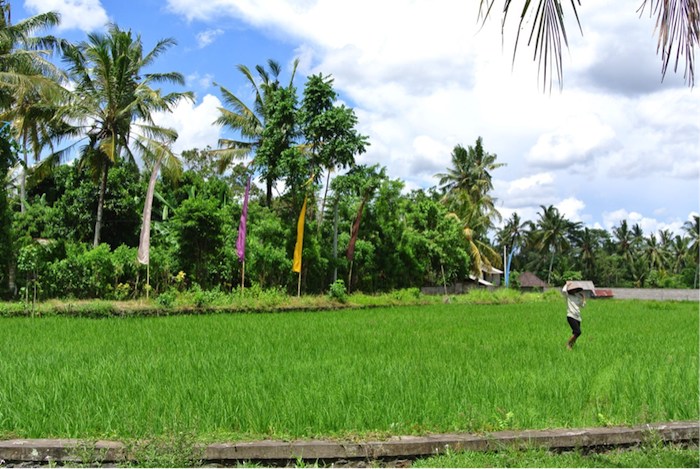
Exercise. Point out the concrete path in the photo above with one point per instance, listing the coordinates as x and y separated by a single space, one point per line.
35 452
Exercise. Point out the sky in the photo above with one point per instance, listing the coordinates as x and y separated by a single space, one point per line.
616 142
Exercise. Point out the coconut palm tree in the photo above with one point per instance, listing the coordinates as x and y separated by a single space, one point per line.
677 26
511 237
29 83
111 108
692 229
654 253
24 57
626 245
551 234
249 121
474 227
466 186
469 181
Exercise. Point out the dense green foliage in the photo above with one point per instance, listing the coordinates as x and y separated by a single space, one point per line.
405 370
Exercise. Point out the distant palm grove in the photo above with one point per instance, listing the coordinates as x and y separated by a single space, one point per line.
89 174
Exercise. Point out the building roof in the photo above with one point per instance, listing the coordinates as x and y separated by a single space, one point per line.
530 280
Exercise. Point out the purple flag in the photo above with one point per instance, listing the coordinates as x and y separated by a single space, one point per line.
240 242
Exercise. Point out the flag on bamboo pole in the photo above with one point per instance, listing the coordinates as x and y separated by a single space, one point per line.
355 229
143 254
296 265
240 242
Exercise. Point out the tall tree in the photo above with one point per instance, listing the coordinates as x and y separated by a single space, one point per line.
250 122
7 157
469 180
677 27
654 253
329 130
551 234
692 229
29 82
511 237
113 102
466 187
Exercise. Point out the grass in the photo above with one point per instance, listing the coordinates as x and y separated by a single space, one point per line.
348 373
644 456
254 299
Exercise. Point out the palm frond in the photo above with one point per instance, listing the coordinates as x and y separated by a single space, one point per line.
677 26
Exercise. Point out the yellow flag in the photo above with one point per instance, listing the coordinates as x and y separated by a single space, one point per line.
296 265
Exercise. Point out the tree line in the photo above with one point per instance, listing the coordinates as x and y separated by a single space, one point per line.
73 230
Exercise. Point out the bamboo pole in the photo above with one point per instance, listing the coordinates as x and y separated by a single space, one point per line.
242 277
299 285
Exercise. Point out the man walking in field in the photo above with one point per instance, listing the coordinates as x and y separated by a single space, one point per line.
575 300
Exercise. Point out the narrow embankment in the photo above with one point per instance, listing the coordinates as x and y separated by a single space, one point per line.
272 452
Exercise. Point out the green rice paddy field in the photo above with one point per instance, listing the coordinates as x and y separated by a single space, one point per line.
354 373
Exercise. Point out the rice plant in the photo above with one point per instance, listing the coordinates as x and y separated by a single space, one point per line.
377 372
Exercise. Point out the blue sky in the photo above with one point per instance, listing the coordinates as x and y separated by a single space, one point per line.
423 77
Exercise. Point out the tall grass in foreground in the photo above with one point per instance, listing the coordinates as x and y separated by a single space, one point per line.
344 373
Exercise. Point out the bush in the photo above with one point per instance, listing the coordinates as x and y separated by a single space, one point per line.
167 299
338 292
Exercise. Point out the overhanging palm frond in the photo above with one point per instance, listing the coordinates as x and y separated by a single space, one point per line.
678 26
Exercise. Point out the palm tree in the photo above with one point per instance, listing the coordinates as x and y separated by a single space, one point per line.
474 227
692 228
249 122
654 253
466 186
23 56
626 244
29 83
469 181
678 26
679 250
589 243
513 232
551 234
510 237
113 103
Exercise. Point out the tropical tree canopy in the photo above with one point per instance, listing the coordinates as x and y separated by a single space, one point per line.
111 108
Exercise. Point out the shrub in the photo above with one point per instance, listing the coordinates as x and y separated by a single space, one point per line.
167 299
338 292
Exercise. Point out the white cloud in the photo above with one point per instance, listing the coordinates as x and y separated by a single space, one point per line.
571 208
576 141
85 15
193 122
202 81
424 77
648 225
530 191
207 37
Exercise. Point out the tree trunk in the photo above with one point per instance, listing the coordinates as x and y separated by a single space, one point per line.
335 240
23 178
100 204
11 278
268 199
323 203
